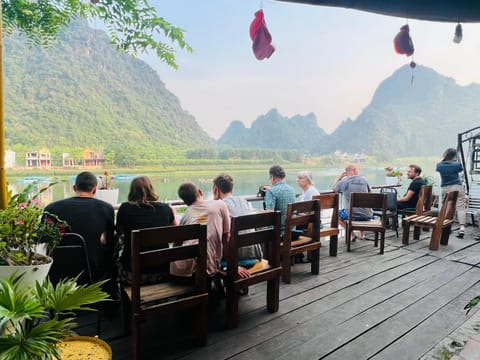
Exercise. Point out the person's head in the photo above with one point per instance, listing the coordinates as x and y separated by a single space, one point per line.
189 193
304 179
142 191
351 170
413 171
85 182
222 185
450 154
277 173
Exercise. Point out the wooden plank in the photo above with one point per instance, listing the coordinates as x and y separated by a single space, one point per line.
363 321
332 329
387 332
300 309
426 335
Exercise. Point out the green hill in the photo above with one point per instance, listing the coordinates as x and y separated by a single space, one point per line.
82 93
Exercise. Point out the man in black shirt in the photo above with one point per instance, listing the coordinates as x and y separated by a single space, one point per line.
94 220
409 200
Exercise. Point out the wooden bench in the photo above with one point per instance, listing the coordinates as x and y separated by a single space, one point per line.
441 224
247 230
372 201
307 215
330 201
150 250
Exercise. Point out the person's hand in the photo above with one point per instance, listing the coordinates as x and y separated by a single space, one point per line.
266 188
244 273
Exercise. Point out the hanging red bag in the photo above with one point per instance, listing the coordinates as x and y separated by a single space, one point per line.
262 40
403 42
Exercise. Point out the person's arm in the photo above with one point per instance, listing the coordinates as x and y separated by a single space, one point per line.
337 180
269 200
407 196
175 221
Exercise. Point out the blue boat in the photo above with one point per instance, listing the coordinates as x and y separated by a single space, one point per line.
34 179
124 177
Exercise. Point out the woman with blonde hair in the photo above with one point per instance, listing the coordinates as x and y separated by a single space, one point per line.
449 169
142 210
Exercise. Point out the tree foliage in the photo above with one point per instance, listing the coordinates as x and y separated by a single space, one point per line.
133 25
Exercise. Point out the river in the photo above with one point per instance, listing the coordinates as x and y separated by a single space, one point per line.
246 183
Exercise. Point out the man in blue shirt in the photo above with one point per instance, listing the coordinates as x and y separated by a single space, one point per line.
280 194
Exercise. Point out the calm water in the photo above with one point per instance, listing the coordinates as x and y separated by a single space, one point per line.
245 183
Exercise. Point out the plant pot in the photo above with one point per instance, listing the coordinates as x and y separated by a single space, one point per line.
391 180
32 273
84 348
108 195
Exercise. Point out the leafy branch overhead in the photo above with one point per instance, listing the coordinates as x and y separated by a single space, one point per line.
133 25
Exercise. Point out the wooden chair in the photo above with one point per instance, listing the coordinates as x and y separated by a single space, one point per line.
261 228
330 201
70 259
424 203
424 207
149 251
391 208
441 224
305 214
368 200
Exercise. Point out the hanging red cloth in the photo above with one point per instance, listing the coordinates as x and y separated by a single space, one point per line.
262 40
403 42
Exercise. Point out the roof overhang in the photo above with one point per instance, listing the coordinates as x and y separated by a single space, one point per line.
431 10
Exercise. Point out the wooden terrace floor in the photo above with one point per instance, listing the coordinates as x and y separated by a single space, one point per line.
362 306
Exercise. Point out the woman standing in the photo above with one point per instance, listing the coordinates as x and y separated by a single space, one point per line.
304 180
141 211
449 169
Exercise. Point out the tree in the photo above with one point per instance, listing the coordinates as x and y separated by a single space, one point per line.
133 26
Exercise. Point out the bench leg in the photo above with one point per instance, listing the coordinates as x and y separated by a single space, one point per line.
333 245
416 232
286 271
406 232
315 261
435 239
348 235
136 323
273 297
382 243
231 307
201 328
445 235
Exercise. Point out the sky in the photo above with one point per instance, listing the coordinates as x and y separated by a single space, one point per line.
328 61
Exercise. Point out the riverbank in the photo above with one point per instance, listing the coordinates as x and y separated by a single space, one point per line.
238 166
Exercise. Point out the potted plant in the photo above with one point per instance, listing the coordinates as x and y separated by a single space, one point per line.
105 191
393 177
34 321
23 227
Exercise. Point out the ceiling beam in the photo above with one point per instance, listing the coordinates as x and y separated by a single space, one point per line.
431 10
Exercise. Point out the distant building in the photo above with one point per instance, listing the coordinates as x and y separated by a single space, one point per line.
92 158
9 159
67 160
38 159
